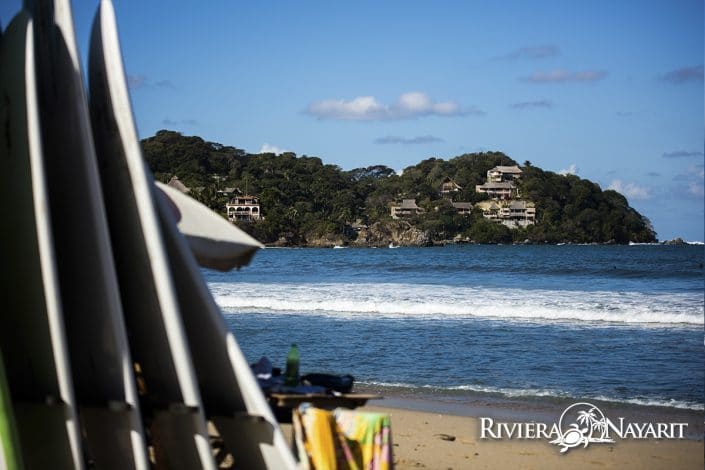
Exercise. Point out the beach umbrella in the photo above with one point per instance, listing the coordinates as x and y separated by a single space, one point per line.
215 242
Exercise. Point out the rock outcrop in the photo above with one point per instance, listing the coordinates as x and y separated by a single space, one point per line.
398 232
380 234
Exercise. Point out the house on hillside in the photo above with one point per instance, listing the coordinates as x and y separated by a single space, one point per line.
490 209
500 174
175 183
513 214
243 208
228 191
501 190
463 208
518 213
448 187
407 208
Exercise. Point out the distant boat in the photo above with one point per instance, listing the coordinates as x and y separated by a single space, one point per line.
339 247
391 245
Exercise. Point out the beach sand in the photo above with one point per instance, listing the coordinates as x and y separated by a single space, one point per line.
443 440
418 439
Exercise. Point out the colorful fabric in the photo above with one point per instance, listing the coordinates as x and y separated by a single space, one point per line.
343 439
371 434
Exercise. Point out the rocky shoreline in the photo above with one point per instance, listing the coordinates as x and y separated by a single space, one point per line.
404 234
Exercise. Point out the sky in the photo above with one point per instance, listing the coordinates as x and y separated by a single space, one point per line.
609 90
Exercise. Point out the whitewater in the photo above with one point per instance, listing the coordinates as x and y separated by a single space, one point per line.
437 301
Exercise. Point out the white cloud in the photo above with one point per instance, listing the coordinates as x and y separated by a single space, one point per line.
267 148
630 190
571 170
367 108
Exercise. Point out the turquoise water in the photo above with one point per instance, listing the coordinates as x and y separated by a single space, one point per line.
616 323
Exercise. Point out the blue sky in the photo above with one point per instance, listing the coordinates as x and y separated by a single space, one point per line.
612 91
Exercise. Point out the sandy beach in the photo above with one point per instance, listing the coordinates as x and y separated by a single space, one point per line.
442 441
439 436
423 426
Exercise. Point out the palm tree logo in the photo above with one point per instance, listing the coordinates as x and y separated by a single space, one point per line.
588 425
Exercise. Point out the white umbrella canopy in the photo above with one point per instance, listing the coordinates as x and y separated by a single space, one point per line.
214 242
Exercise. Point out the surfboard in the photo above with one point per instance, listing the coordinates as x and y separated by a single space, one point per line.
9 448
10 452
32 336
255 439
231 396
157 338
103 376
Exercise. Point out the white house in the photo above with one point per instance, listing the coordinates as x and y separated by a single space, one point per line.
501 190
243 208
513 214
518 213
499 174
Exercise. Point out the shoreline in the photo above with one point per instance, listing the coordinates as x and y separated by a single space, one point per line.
462 243
526 409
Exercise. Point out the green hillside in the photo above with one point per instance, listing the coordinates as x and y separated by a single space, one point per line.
302 198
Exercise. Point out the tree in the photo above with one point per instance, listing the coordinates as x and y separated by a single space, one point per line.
302 196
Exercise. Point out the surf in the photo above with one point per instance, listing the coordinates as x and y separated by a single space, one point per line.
349 300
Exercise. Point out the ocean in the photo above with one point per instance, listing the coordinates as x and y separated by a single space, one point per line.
620 324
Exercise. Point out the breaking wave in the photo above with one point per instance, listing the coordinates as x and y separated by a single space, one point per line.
542 393
442 302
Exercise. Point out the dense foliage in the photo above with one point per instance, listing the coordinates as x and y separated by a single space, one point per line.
302 198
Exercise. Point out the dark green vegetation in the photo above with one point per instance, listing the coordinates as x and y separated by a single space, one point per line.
304 199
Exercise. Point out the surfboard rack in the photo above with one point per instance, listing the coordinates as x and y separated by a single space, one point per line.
115 354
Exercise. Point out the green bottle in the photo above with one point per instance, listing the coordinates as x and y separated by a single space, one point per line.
291 376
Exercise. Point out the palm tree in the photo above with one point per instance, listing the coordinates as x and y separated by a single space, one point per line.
585 417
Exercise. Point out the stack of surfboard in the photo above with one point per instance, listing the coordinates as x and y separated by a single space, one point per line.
113 353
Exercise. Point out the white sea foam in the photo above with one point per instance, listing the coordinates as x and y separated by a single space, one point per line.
438 301
546 393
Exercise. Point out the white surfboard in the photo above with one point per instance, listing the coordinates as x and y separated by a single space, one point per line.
103 376
231 396
32 334
157 337
239 409
221 366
